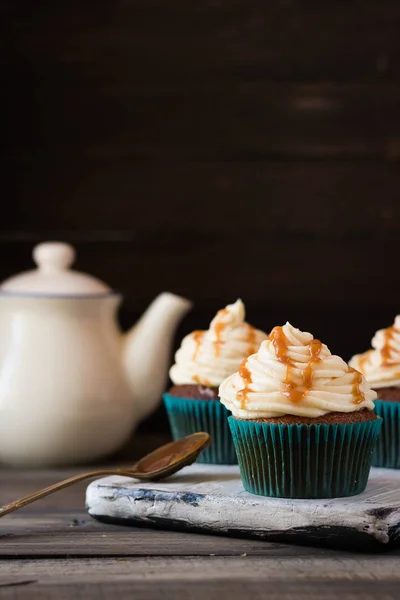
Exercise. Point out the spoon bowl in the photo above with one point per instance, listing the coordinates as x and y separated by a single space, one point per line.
159 464
172 457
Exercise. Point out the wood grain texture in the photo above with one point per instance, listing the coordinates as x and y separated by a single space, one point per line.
257 590
59 526
210 498
38 545
279 233
213 577
56 537
309 274
212 568
147 40
155 203
202 120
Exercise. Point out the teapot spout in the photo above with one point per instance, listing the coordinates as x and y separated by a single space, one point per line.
147 350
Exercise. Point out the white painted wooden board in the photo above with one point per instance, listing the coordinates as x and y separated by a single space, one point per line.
211 499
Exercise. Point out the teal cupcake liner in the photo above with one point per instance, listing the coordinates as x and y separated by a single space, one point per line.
387 451
187 416
304 461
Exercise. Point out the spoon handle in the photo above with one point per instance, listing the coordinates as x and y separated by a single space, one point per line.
17 504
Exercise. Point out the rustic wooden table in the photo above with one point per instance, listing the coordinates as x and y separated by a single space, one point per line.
54 549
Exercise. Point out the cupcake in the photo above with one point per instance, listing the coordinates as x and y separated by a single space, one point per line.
381 367
203 361
302 420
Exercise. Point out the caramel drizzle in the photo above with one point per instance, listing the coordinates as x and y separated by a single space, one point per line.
386 350
198 337
356 391
243 370
219 328
279 341
295 393
197 379
251 339
315 348
364 359
246 376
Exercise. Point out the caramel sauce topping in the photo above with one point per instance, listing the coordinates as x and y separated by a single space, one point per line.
294 392
315 348
219 328
386 351
364 359
246 376
357 393
251 339
197 336
197 379
279 341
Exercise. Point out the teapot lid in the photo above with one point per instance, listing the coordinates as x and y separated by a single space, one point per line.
53 275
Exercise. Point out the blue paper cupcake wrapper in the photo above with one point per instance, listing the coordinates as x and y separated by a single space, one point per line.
387 451
187 416
304 461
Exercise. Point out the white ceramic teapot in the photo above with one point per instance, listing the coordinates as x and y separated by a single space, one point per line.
72 386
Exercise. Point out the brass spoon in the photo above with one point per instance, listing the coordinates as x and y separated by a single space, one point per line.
160 463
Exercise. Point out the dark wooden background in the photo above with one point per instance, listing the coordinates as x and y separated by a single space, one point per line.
216 149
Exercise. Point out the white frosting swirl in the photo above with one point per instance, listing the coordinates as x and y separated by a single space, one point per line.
293 374
208 357
381 365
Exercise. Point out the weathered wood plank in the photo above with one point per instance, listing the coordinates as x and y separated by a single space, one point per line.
211 498
266 270
192 568
211 120
56 536
146 41
15 483
59 526
153 204
347 590
213 577
309 242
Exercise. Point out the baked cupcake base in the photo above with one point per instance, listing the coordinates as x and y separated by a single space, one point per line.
333 417
296 459
389 394
194 392
199 409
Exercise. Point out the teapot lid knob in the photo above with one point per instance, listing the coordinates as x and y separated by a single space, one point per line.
54 256
53 276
